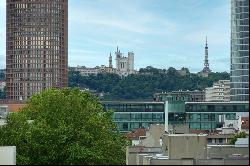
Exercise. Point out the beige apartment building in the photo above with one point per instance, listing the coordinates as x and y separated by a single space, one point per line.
220 91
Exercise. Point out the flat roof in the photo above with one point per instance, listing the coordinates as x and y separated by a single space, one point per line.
196 91
181 135
212 102
132 102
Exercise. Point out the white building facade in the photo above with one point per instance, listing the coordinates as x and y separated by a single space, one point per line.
2 85
220 92
124 65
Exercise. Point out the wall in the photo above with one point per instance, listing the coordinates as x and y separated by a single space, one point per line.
150 161
7 155
186 146
171 162
179 128
132 153
225 151
153 139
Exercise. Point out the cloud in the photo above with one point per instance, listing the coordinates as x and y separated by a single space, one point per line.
139 21
163 33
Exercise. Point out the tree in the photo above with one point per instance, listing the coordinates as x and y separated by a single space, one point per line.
142 86
64 127
242 134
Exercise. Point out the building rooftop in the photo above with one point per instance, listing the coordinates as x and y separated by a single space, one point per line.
133 102
212 102
13 107
184 135
135 134
245 122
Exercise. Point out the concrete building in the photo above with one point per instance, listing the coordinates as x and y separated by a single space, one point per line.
7 155
87 71
36 46
124 65
220 91
219 139
187 149
136 135
84 71
239 50
133 152
153 137
178 146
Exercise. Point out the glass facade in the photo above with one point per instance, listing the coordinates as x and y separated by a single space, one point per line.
133 115
199 115
207 116
239 50
176 107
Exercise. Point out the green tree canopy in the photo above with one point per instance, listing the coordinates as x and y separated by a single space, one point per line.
142 86
64 127
242 134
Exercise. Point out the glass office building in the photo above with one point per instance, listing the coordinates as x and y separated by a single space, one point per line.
175 104
198 115
133 115
239 79
209 115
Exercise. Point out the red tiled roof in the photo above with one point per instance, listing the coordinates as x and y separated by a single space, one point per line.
15 107
245 122
199 131
136 133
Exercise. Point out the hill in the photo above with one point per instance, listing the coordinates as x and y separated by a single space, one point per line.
143 85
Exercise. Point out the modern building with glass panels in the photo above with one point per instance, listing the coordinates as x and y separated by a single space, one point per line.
175 103
239 50
133 115
210 115
37 46
192 96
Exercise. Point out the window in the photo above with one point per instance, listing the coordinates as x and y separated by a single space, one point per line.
125 126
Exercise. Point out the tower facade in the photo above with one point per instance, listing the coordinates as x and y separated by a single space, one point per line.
37 46
239 74
110 61
124 65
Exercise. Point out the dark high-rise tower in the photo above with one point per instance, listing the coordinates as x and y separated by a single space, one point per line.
37 46
239 79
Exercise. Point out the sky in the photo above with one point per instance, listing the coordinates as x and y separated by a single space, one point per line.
161 33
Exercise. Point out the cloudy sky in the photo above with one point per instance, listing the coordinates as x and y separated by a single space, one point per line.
161 33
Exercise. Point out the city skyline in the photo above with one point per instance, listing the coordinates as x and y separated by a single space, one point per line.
168 30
